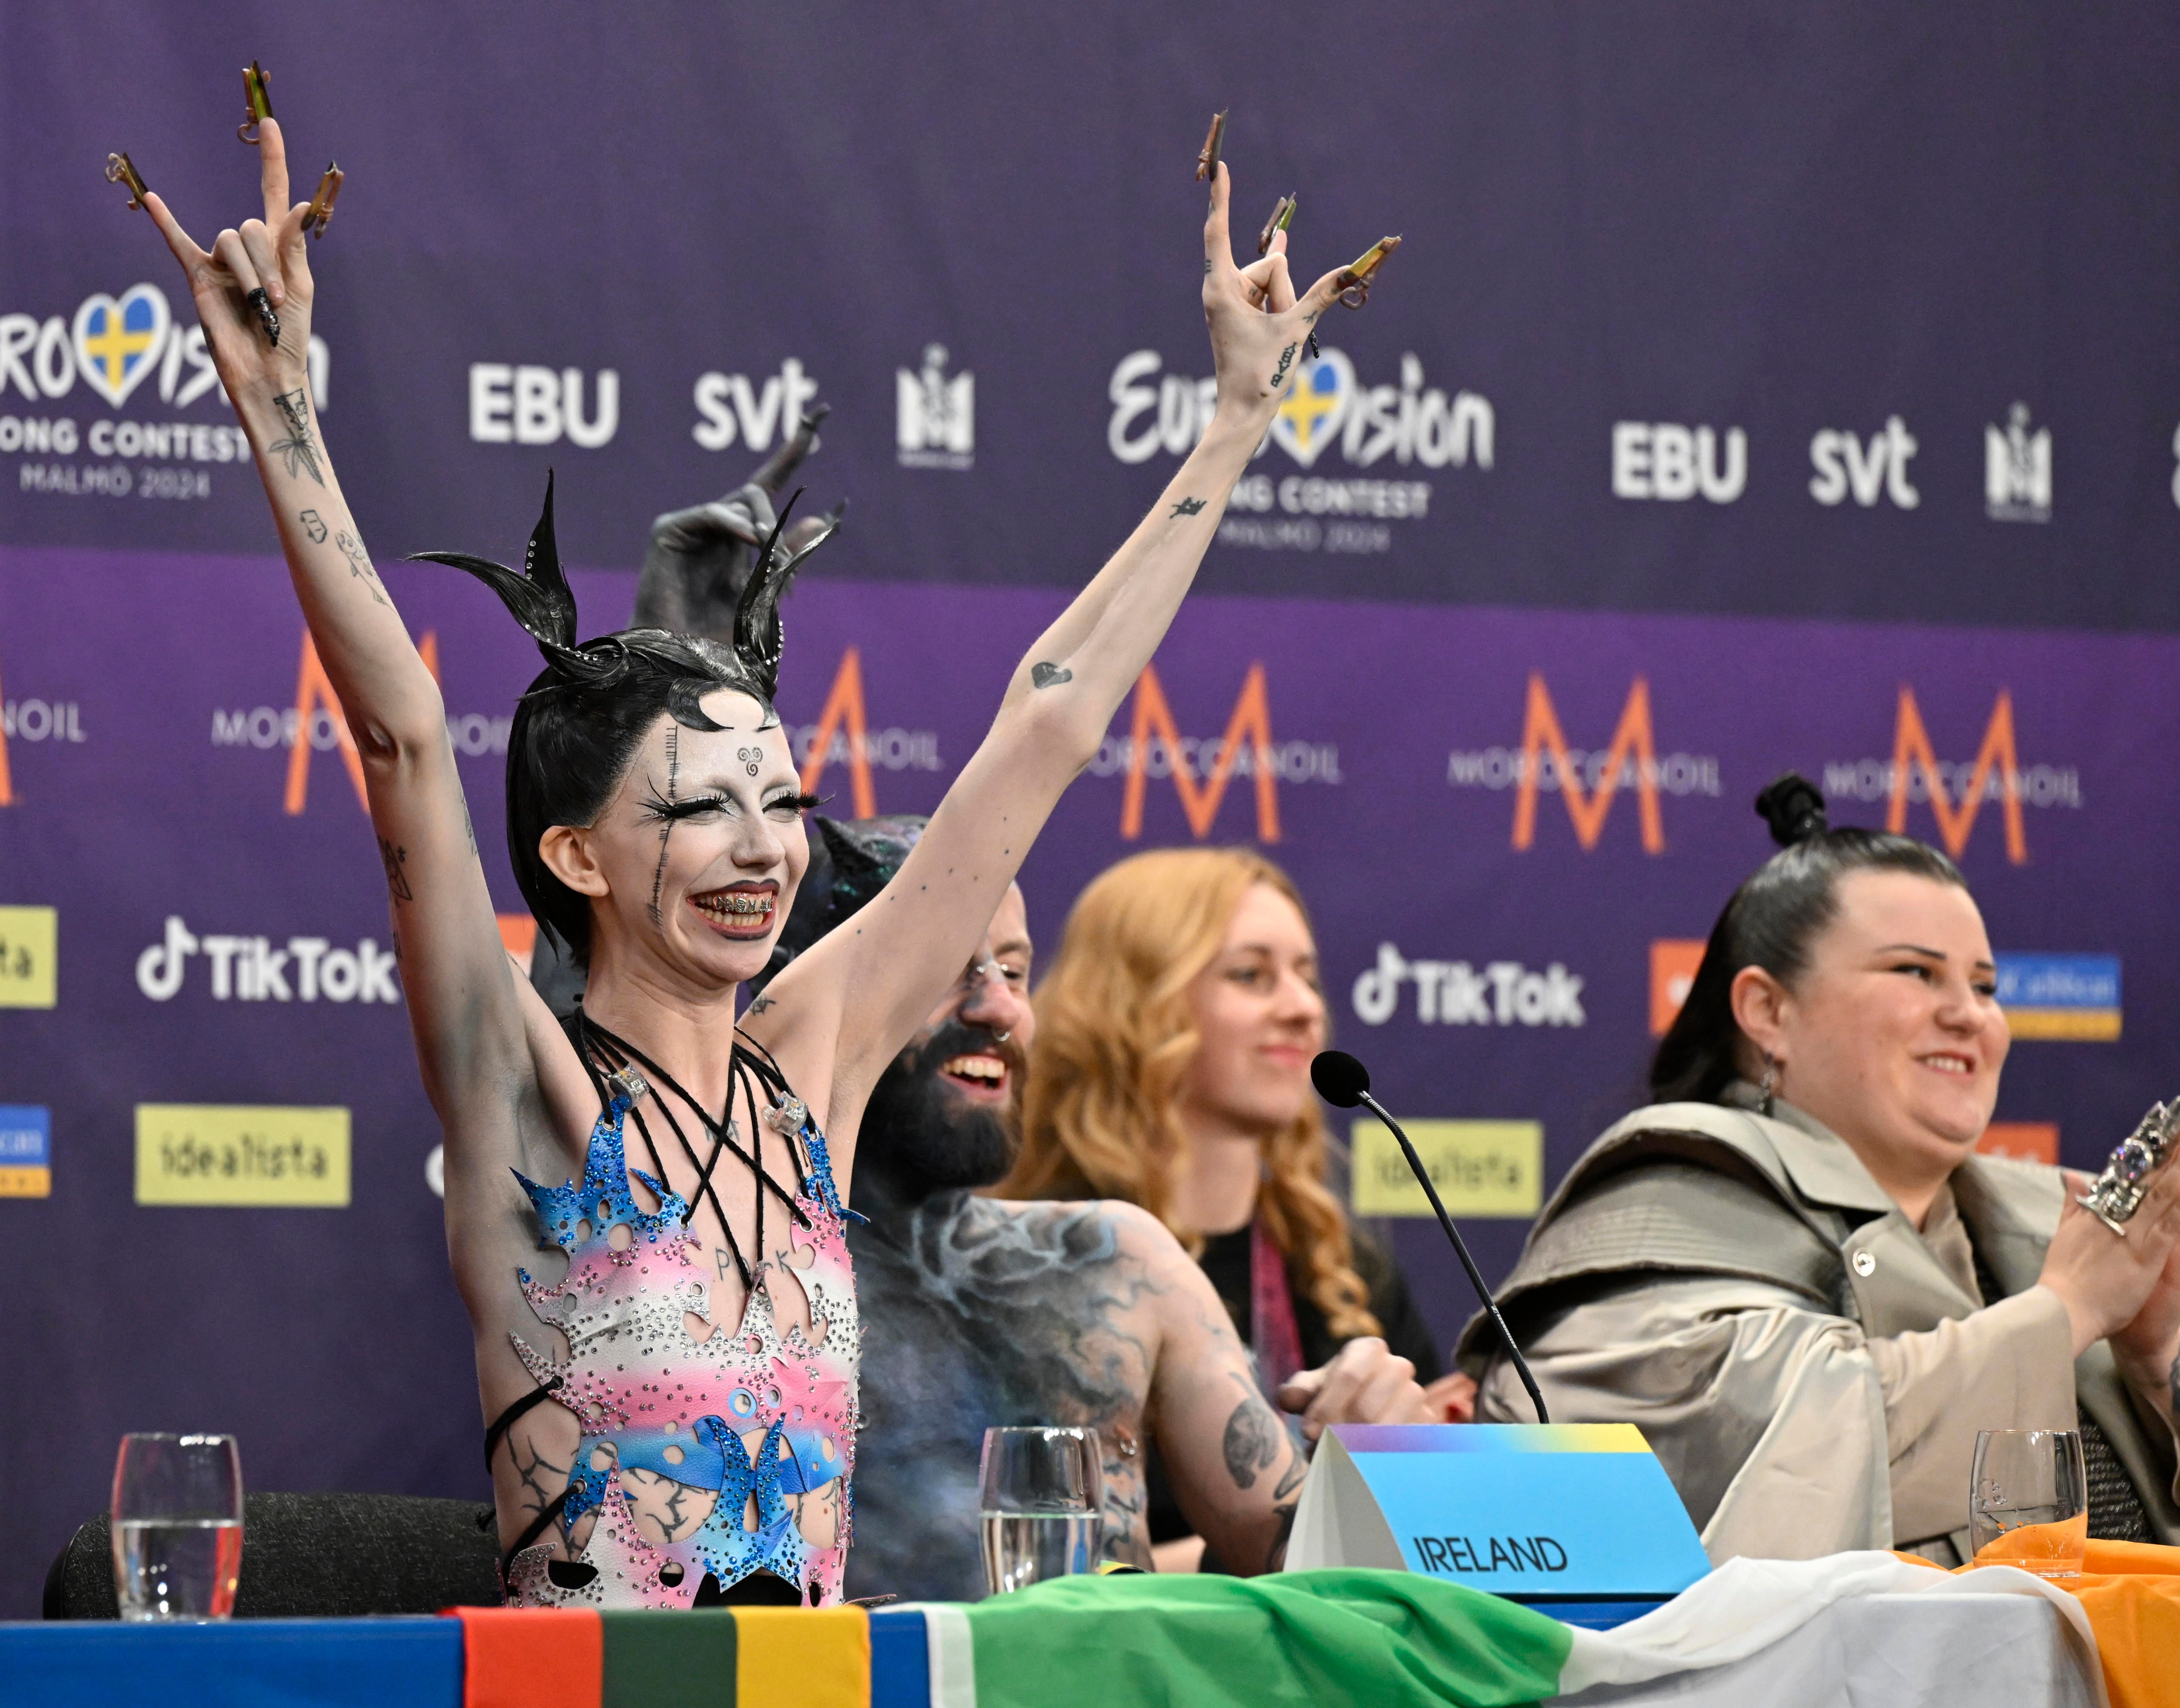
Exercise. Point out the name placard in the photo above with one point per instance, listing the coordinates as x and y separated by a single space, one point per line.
1578 1520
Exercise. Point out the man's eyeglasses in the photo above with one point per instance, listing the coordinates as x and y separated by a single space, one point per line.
971 984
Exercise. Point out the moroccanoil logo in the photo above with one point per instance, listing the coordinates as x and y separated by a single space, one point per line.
842 735
1586 778
1201 767
1957 791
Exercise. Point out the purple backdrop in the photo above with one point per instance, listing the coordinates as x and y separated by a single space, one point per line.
1699 373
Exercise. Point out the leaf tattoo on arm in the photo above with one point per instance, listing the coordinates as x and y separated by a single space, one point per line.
299 449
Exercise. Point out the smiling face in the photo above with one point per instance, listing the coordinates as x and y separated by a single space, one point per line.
693 861
1260 1014
941 1110
1891 1036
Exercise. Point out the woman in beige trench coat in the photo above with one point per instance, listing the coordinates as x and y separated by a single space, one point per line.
1793 1272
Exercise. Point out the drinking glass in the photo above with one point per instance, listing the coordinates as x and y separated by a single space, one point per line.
1040 1495
2028 1500
177 1526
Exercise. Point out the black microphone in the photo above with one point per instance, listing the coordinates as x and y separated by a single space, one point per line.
1344 1082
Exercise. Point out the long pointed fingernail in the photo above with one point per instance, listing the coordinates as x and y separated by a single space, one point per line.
265 318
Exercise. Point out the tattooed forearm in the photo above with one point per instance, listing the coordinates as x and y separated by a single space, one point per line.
314 526
299 449
1279 373
1042 675
396 882
1187 507
1251 1442
358 563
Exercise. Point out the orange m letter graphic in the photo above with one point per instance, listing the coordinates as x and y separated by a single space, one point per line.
1911 746
844 705
1252 717
1540 729
315 689
7 788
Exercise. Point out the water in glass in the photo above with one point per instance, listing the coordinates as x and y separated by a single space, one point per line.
177 1517
2028 1500
1042 1489
183 1569
1024 1548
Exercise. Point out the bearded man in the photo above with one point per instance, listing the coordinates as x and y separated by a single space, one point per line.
978 1312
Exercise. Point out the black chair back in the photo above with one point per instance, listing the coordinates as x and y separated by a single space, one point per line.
319 1556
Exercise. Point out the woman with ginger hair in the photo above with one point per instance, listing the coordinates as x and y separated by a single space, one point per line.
1170 1069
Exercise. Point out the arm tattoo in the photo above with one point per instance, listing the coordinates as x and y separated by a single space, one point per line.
299 449
759 1004
396 882
1187 507
1251 1442
1042 675
314 526
1279 373
358 563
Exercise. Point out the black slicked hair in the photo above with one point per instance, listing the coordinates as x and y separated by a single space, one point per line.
577 727
1773 919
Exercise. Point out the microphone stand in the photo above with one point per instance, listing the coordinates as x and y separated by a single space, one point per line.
1461 1248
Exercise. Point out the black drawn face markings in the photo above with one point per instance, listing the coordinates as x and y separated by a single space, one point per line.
666 820
397 881
1187 507
298 450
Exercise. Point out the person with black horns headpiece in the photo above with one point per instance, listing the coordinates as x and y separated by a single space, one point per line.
673 1391
1794 1270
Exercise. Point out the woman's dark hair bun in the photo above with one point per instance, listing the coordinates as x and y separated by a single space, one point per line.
1794 808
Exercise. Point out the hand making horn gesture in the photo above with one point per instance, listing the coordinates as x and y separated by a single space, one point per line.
253 292
1257 325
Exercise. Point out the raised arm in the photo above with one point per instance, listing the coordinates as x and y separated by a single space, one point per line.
461 994
866 987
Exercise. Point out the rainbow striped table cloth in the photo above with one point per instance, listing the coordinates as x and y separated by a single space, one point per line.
1776 1632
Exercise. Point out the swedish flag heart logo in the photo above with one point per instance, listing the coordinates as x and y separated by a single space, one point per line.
118 344
1316 405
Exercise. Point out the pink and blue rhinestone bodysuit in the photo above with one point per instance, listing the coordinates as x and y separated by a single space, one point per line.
758 1421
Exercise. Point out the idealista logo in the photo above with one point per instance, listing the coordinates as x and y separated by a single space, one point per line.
1459 993
114 346
30 957
2016 469
1325 404
250 969
1586 778
935 422
1956 792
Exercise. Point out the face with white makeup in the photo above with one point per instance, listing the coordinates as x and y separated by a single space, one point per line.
690 865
